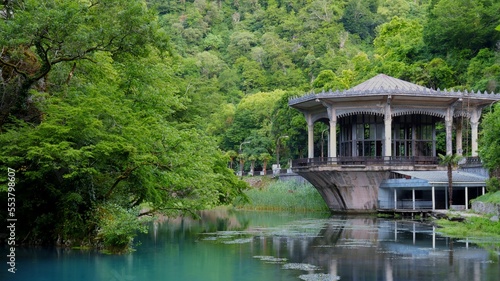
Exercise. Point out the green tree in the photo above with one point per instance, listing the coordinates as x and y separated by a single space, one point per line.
360 18
114 130
489 148
43 35
242 157
252 120
325 80
290 122
435 74
483 72
265 157
231 154
462 24
399 40
252 159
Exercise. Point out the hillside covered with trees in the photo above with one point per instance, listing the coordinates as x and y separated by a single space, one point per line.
111 105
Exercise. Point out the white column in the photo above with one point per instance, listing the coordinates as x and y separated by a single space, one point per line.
332 151
459 137
483 190
474 123
388 130
310 141
310 136
413 197
433 198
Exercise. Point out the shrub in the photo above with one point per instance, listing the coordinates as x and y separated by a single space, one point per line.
492 184
117 227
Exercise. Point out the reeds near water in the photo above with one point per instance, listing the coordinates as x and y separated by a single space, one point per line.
285 195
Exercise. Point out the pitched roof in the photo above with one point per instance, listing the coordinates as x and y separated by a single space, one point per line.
383 81
436 177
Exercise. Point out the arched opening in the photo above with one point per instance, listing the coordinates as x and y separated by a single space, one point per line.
321 138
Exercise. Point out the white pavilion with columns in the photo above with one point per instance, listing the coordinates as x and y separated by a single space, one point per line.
382 144
386 117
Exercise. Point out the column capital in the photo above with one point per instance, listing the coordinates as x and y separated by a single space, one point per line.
388 111
475 115
332 113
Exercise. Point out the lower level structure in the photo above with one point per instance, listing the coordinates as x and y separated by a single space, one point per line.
368 185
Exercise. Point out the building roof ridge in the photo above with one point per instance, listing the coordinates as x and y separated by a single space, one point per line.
386 82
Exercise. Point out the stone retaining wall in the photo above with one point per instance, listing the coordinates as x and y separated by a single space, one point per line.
486 208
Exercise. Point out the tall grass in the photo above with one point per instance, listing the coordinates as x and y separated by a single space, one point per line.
285 195
490 197
471 227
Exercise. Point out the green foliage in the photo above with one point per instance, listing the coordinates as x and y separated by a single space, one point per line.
472 227
493 185
360 18
493 196
44 34
290 122
117 227
472 26
489 149
399 40
325 80
113 131
252 122
483 72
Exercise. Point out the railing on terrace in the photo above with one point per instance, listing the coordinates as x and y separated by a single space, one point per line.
473 161
405 204
366 161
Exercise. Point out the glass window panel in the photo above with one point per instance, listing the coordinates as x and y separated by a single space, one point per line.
359 131
359 147
380 131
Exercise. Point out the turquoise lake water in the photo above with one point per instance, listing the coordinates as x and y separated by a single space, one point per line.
272 246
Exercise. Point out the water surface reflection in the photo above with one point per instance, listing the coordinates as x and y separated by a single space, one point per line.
271 246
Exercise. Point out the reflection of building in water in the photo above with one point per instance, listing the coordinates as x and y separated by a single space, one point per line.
372 249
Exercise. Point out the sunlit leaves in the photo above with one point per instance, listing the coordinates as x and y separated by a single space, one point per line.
399 40
463 24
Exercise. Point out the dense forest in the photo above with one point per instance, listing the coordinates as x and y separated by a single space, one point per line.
112 106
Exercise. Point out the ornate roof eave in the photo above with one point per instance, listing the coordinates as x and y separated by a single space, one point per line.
417 92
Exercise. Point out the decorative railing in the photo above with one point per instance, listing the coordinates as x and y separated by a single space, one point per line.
473 161
366 161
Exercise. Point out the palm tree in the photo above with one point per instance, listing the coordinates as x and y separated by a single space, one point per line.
451 161
242 157
252 158
232 154
265 157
